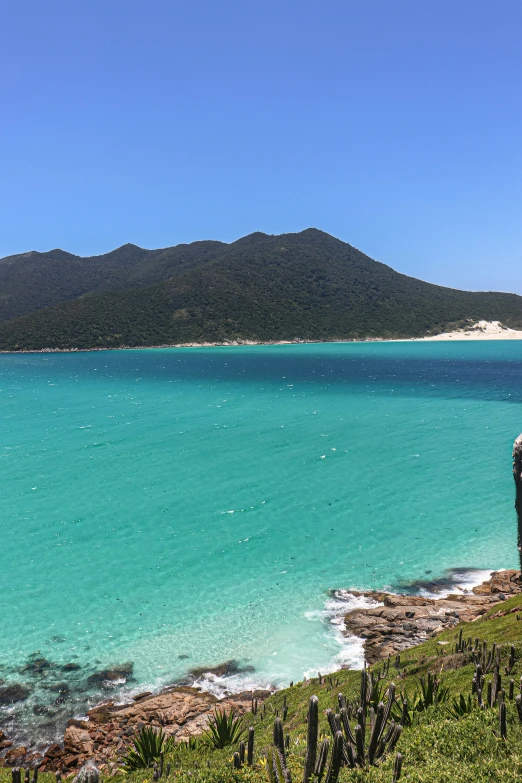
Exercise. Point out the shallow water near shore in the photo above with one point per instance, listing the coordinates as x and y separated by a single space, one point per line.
178 508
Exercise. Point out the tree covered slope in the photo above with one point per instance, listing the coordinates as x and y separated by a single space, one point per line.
307 286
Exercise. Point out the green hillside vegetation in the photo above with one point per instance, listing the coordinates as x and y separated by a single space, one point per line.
32 281
307 286
440 746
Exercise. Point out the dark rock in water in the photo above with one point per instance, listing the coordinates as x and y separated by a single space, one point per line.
122 672
142 695
60 687
58 639
226 669
43 710
71 667
183 656
36 665
448 581
9 694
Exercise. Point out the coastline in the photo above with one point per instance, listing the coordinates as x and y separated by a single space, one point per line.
385 624
482 330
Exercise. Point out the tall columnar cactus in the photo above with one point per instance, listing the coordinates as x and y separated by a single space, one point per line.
502 720
383 732
311 741
397 768
337 758
250 747
322 757
278 757
517 475
333 722
518 703
242 749
496 687
279 739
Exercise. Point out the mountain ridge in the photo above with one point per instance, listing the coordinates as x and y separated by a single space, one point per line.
262 287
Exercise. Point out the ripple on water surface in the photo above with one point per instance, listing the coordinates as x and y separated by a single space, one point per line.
182 508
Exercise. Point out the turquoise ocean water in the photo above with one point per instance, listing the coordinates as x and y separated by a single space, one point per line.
178 508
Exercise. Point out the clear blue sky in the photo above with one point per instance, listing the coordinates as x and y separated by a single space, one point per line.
395 125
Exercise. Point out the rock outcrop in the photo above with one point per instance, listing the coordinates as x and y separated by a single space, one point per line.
398 622
107 734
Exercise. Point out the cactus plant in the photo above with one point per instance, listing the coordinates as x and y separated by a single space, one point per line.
518 703
223 730
397 768
279 740
250 747
502 720
277 767
337 758
322 757
432 692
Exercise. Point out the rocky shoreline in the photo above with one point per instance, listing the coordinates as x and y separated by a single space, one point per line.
394 623
388 625
108 729
225 344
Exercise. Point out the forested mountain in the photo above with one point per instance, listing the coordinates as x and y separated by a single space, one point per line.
32 281
306 286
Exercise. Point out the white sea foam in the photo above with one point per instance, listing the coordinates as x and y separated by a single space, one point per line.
351 650
350 653
235 683
462 580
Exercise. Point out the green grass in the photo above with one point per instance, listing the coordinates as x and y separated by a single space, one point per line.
437 748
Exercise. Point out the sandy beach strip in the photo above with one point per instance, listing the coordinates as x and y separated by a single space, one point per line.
482 330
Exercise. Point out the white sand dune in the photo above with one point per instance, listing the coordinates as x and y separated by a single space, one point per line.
482 330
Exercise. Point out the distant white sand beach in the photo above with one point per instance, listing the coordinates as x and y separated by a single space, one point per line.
482 330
